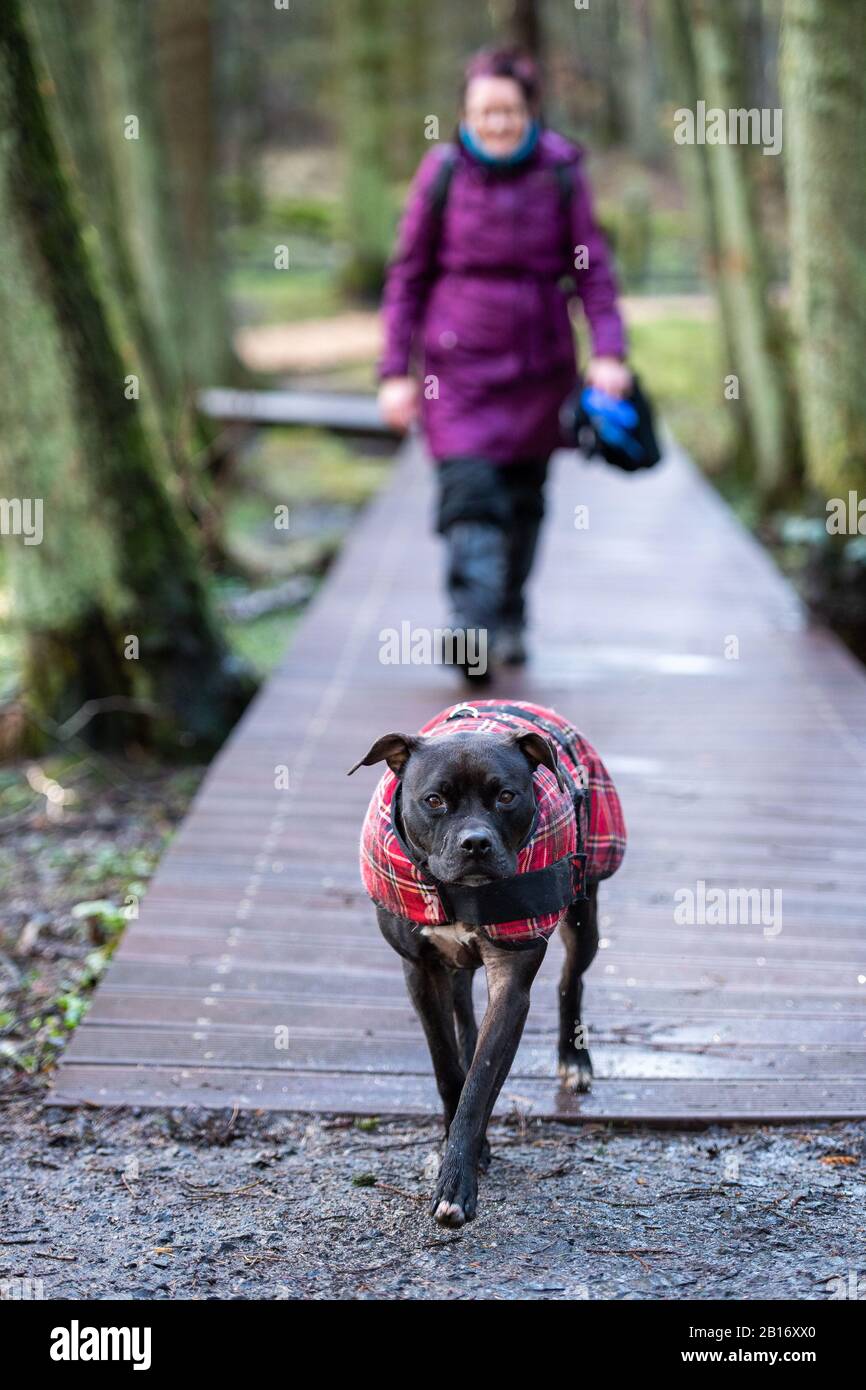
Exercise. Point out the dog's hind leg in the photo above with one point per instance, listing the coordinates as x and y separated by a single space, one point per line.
431 990
579 931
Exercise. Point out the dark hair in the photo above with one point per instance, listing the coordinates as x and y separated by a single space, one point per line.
505 62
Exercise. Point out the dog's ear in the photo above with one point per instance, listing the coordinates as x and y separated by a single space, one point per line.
395 749
539 749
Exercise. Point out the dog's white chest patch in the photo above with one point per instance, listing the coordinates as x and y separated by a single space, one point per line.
457 932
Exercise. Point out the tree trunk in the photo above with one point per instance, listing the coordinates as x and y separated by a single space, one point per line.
683 81
525 27
410 101
759 360
614 111
824 95
183 67
86 450
156 285
640 81
364 52
88 130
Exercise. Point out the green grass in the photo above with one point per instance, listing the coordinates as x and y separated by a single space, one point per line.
297 466
263 643
680 364
263 295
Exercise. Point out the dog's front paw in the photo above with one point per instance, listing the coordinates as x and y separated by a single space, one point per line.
484 1158
456 1197
575 1072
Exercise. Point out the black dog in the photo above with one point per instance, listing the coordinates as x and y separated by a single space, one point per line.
464 806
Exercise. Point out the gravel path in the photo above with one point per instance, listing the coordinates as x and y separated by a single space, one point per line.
186 1204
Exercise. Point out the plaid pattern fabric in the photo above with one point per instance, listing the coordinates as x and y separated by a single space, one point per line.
393 880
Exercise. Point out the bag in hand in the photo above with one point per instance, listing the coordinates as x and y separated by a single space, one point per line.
621 431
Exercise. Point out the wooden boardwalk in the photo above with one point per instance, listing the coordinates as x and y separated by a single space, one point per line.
741 771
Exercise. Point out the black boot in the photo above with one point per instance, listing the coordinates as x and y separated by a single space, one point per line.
477 563
525 484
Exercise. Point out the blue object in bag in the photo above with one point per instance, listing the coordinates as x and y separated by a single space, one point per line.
621 431
614 421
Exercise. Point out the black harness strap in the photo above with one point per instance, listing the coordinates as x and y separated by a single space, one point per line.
539 893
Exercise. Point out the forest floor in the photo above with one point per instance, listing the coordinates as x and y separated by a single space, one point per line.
103 1204
81 836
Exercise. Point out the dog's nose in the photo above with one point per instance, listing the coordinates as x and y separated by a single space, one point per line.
476 843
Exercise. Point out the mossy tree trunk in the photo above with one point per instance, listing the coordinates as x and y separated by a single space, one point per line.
614 113
364 48
759 362
413 35
87 120
116 559
640 81
685 92
166 296
824 95
184 68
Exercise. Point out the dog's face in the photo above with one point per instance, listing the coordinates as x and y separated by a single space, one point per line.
467 798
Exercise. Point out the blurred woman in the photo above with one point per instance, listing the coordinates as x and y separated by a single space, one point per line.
476 306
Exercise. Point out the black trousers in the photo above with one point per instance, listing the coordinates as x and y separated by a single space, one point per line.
490 516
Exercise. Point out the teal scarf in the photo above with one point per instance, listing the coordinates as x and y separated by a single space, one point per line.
523 150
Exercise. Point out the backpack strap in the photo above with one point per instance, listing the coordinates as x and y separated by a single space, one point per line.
445 173
442 182
565 183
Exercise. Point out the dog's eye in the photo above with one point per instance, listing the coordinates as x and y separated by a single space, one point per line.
506 797
434 801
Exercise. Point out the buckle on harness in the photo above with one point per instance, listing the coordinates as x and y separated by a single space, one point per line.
461 711
578 875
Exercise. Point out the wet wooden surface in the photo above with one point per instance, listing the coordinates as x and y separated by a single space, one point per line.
255 974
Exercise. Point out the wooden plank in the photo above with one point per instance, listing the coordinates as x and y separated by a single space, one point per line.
644 1102
256 919
655 1011
273 949
355 413
384 974
319 1050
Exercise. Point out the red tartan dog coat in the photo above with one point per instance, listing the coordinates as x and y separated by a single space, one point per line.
565 822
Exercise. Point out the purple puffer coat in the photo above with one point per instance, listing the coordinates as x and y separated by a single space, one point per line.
475 293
